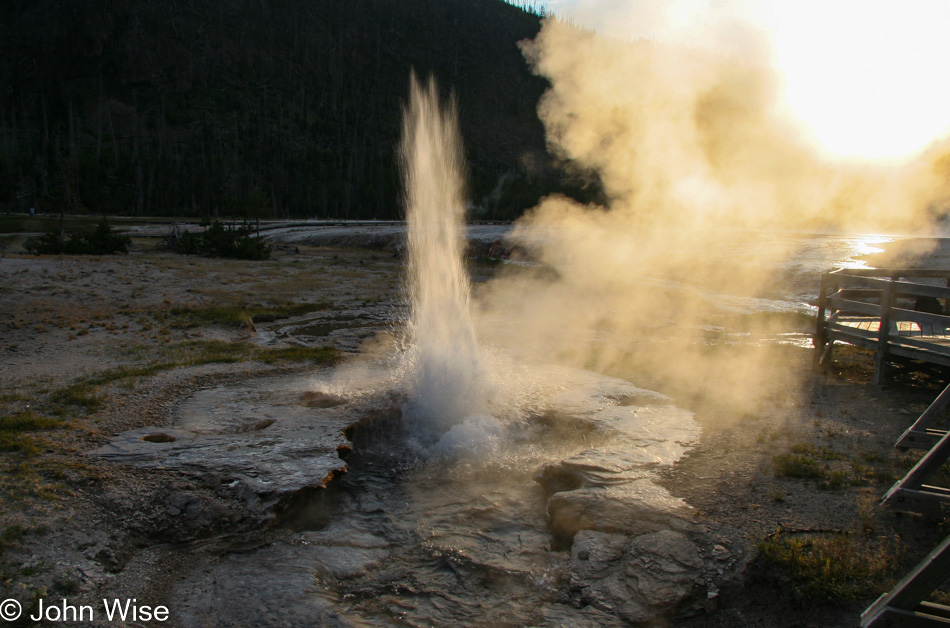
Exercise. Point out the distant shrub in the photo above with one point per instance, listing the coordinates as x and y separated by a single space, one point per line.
218 240
103 240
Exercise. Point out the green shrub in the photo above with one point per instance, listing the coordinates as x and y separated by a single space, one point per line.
218 240
103 240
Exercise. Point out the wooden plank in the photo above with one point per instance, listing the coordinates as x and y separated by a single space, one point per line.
901 288
854 339
920 439
932 608
913 588
852 320
905 289
925 468
857 293
937 320
900 618
926 345
936 490
924 355
848 330
848 313
893 272
874 283
926 418
916 500
859 307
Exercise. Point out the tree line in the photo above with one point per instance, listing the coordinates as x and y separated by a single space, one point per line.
204 107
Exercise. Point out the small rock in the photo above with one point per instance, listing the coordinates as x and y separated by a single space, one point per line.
109 561
720 553
317 399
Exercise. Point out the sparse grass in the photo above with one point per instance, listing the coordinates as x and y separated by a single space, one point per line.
941 476
26 474
832 567
15 430
822 453
319 355
239 315
834 480
87 393
11 536
223 315
833 469
874 456
83 394
796 466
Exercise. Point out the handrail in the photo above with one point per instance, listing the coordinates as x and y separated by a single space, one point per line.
869 294
893 272
903 288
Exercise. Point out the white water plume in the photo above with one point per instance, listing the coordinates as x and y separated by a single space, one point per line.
448 379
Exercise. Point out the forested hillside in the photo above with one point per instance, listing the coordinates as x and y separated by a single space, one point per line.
217 107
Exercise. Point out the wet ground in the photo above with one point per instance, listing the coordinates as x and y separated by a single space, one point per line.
167 535
407 534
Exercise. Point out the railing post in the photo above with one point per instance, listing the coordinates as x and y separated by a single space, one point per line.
880 358
819 340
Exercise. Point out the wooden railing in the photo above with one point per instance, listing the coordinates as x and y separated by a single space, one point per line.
852 300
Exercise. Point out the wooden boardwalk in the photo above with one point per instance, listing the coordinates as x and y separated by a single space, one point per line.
854 305
900 315
898 328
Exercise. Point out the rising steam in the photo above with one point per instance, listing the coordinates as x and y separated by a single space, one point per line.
697 162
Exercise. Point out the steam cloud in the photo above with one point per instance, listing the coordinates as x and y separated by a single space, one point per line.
699 167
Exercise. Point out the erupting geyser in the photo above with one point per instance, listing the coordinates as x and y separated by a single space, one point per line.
556 520
448 381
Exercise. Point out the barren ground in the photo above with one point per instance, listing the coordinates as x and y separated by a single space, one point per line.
93 346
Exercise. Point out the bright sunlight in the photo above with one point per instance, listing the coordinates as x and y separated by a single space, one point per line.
866 77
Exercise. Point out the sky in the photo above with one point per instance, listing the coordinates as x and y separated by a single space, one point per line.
865 79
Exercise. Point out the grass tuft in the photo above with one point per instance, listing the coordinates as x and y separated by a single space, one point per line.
832 567
15 428
796 466
84 394
318 355
240 315
824 453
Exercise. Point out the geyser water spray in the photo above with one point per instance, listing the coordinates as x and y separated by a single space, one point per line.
448 386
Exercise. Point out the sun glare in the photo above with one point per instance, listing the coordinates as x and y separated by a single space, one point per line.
866 78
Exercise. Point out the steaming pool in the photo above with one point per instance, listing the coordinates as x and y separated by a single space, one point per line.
477 528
